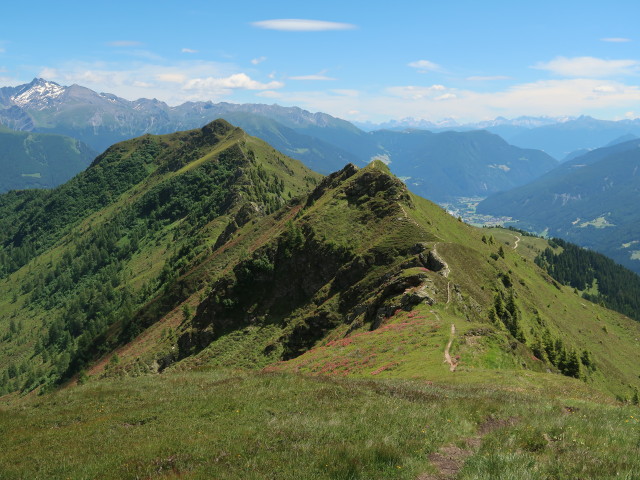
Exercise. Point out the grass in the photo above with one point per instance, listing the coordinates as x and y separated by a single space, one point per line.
236 424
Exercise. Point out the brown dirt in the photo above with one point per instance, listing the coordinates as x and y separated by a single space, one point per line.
449 460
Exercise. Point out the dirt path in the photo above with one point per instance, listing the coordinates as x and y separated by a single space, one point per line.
448 292
447 356
517 240
449 459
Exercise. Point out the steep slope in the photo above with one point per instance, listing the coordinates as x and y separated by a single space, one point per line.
364 279
33 160
316 154
85 255
590 200
463 357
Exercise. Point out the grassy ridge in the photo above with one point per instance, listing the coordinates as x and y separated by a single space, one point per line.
218 424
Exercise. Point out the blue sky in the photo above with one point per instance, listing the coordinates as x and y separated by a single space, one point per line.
467 60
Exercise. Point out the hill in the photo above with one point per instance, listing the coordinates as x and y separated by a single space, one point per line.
197 299
33 160
589 200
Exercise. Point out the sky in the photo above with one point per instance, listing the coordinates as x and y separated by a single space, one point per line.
361 61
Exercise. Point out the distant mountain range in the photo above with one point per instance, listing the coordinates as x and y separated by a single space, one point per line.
436 165
38 160
591 200
557 136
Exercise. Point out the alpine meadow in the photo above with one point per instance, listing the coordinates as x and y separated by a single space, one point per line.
280 241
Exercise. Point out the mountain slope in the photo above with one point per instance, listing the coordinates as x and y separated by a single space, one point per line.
363 278
194 259
589 200
452 164
32 160
88 253
584 132
230 269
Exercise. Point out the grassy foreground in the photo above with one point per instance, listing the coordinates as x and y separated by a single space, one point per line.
230 424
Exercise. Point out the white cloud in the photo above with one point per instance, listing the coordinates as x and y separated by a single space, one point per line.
417 92
605 89
189 50
347 92
312 77
171 77
615 39
589 67
425 66
603 99
488 78
258 60
138 80
269 94
301 25
232 82
124 43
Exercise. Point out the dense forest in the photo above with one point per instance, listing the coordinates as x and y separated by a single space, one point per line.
600 279
86 286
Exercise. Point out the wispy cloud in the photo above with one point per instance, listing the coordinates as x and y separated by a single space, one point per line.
589 67
171 77
124 43
424 66
615 39
488 78
189 50
302 25
258 60
417 92
319 77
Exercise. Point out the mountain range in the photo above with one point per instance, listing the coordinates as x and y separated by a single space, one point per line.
439 166
590 200
557 136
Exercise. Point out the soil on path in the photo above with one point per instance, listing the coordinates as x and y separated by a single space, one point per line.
447 356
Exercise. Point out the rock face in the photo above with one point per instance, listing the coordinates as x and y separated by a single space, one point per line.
435 263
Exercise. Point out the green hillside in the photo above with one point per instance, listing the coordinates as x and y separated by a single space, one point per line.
590 200
86 255
35 160
198 305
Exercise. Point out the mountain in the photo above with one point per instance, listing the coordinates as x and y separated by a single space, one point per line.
35 160
589 200
324 143
198 304
585 132
440 166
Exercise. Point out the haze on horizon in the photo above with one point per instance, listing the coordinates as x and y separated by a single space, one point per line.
469 61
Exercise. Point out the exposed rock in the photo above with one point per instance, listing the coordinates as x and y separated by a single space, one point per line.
434 262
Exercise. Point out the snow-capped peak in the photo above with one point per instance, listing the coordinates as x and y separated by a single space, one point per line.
38 94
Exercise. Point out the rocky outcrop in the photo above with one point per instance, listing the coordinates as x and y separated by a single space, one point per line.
435 263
